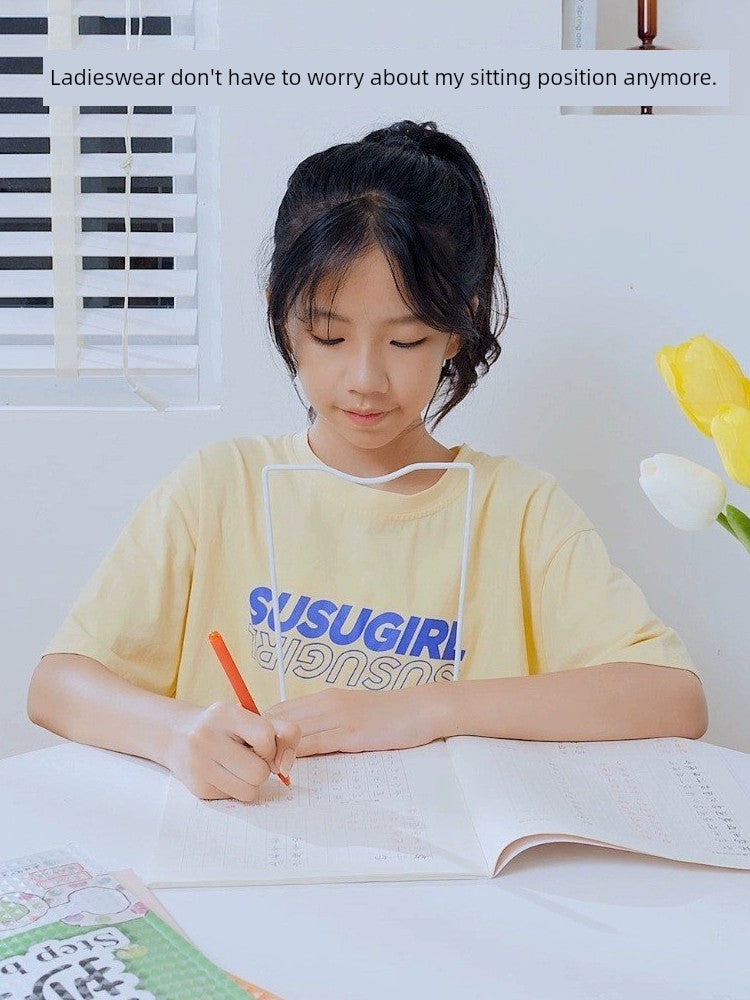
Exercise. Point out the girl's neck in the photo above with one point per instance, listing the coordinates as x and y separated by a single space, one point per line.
415 445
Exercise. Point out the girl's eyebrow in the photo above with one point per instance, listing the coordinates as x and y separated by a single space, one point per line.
318 313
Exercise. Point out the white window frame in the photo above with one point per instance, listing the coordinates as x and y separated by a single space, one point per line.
109 390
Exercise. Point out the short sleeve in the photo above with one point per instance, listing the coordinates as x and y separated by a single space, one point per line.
591 612
131 614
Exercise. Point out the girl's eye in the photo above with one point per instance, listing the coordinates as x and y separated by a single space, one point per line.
411 343
325 341
396 343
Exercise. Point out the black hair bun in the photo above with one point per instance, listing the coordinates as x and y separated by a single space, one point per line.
407 135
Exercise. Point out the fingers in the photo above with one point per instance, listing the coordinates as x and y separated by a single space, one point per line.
230 752
287 739
254 730
273 742
273 739
223 767
319 719
328 741
228 784
321 705
204 789
225 752
311 713
243 762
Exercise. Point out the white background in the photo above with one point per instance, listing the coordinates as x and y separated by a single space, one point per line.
618 234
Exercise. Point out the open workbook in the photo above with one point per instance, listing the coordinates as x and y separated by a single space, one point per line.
459 808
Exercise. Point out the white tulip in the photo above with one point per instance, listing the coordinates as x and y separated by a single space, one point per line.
688 495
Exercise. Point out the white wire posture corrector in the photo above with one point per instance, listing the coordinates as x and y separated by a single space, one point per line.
267 469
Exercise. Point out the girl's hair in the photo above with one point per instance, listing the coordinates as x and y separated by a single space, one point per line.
418 195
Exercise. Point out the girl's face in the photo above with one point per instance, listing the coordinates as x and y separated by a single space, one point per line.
370 382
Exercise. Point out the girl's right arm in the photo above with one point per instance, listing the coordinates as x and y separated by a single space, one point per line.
222 751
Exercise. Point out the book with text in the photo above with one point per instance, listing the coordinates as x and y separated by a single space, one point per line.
459 808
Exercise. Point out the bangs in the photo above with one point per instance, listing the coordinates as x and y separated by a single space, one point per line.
325 252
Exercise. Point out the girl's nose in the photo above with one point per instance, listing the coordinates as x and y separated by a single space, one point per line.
367 374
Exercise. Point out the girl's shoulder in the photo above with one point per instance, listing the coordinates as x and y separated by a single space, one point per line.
219 459
221 468
511 484
506 473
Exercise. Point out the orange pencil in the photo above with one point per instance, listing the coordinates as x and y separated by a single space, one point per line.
235 679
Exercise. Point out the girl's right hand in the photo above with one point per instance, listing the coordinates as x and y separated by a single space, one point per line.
224 751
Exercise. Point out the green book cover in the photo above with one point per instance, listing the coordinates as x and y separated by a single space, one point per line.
68 934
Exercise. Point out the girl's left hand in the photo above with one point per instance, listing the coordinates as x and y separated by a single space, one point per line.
354 721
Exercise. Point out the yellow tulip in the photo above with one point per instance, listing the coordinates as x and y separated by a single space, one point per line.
703 376
731 432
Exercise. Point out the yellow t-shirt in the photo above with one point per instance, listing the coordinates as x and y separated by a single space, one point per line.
368 581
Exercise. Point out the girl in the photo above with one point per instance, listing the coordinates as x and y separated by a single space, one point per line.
385 297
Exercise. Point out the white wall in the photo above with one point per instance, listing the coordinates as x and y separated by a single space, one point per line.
619 234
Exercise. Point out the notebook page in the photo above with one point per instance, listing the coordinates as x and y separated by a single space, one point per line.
673 798
398 814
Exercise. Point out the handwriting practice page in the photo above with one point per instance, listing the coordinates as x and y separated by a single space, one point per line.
398 814
675 798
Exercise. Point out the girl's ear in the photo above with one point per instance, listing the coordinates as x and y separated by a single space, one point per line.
268 294
474 303
454 345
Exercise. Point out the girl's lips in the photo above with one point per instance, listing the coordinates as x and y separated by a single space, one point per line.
364 418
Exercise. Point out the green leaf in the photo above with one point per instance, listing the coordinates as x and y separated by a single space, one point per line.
722 519
739 523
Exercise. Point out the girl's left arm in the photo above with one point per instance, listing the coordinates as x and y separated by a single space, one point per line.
608 701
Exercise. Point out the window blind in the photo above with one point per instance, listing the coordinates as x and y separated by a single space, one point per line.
70 308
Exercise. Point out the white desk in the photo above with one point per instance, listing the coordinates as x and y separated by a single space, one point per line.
561 923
